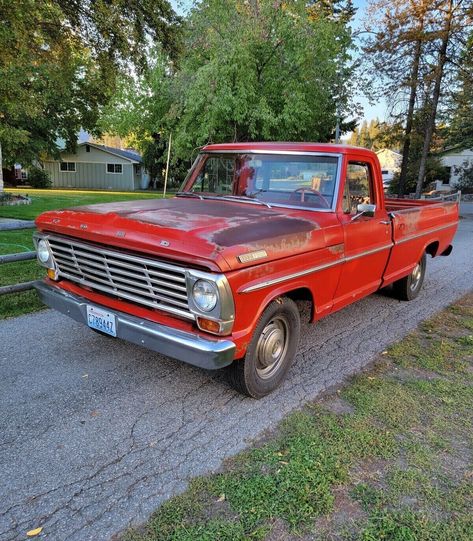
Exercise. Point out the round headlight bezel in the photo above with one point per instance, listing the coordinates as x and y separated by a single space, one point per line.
43 252
211 288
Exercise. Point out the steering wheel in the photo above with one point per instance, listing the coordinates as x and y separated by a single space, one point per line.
324 203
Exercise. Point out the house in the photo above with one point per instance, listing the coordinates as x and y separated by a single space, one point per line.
390 162
455 157
98 167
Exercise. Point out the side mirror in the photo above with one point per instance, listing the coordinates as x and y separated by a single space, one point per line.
364 209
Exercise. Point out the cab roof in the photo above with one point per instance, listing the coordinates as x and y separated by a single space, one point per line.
282 147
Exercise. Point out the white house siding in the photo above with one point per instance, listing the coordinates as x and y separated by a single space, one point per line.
456 158
91 171
389 160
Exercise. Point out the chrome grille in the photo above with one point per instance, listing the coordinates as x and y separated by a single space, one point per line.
134 278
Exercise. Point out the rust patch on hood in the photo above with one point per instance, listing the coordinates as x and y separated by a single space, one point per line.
255 231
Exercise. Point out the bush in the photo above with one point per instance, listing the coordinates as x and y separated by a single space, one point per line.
38 178
465 177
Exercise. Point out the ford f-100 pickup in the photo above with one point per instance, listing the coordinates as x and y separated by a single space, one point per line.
211 276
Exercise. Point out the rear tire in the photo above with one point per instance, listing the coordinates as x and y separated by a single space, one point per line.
408 288
270 352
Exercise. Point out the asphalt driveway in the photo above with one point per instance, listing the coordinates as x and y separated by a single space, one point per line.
96 433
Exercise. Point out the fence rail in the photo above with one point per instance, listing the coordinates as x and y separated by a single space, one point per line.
13 258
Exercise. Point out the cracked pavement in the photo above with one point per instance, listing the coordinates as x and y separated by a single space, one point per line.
95 433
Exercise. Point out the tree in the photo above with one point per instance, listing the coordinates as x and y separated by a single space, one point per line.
374 135
460 129
59 61
412 51
465 177
261 69
447 11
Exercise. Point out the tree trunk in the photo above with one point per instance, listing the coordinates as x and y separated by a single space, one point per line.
435 98
410 113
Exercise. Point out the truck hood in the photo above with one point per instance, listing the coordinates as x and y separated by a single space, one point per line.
206 233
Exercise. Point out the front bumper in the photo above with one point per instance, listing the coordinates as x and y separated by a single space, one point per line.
184 346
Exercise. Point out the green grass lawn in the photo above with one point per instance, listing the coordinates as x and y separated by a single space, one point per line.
43 200
389 457
21 240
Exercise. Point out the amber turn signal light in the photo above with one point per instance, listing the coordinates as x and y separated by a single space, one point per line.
52 274
208 325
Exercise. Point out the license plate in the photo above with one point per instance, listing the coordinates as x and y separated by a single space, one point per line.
101 320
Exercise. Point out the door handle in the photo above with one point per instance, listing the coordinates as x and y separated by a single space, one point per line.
385 222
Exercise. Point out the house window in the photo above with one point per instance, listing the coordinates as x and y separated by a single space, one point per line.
115 168
24 175
69 167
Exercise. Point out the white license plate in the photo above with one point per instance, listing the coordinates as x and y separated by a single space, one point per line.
101 320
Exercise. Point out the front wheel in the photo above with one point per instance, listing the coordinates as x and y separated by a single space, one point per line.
409 287
271 350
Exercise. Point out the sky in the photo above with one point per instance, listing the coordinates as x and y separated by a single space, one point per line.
370 111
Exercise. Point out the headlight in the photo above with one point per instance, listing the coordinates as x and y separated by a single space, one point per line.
205 295
42 251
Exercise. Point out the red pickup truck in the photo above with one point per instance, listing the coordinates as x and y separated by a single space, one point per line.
211 276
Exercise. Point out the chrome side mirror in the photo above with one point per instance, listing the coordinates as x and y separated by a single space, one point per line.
364 209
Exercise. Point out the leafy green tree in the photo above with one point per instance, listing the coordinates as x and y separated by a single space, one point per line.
412 54
460 129
465 177
59 61
259 70
252 70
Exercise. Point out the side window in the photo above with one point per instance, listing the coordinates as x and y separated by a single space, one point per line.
216 176
357 187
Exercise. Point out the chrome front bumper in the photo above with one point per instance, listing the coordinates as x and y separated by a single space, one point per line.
184 346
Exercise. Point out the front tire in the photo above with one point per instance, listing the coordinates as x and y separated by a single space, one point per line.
408 288
270 352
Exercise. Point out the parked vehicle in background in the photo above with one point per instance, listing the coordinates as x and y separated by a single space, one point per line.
211 276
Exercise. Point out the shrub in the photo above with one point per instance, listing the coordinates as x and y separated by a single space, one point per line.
465 177
38 178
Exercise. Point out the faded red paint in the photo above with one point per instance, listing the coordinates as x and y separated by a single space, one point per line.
211 234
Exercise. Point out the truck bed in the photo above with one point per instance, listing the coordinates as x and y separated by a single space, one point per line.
393 204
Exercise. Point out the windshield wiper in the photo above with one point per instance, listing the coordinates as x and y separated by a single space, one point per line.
246 199
189 194
217 197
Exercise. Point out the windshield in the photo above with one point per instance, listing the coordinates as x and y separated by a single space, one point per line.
288 180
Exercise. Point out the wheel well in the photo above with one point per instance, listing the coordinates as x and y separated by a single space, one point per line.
432 248
302 294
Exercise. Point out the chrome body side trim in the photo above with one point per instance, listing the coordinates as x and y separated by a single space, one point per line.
311 270
181 345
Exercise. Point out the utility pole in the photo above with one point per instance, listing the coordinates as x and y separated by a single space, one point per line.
337 127
167 166
1 169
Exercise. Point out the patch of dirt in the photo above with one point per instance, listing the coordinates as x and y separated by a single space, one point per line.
280 532
343 520
218 508
404 374
371 471
337 405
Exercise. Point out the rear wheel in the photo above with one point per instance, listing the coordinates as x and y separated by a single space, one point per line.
271 350
409 287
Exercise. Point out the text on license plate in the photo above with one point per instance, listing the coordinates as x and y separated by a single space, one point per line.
101 320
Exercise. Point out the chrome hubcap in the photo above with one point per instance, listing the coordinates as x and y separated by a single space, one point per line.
272 347
416 276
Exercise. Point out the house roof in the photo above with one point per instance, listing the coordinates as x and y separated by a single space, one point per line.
458 149
131 155
388 150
